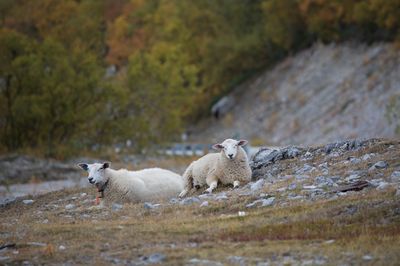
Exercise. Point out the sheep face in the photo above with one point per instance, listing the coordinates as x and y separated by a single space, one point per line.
96 173
230 147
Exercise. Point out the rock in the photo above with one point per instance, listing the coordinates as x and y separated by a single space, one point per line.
236 260
266 157
116 207
334 154
352 178
383 185
292 186
302 177
257 185
189 200
221 197
263 202
367 257
268 202
295 197
28 201
69 206
61 247
379 165
312 187
83 195
354 160
375 182
173 200
196 261
306 168
323 165
367 156
398 192
204 204
241 213
156 258
395 177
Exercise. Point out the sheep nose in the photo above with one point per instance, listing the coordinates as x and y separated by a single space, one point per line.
91 180
230 156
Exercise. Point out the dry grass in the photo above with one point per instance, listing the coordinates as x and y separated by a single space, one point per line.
214 233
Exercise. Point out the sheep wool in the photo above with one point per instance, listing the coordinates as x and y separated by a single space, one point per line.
215 167
133 186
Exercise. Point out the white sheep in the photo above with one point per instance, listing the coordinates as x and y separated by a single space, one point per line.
133 186
230 166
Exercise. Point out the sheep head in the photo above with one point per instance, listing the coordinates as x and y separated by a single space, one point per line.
229 147
96 173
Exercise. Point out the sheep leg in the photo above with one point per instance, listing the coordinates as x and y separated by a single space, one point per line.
236 184
212 181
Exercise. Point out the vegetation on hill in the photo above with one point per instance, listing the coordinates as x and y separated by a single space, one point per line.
175 59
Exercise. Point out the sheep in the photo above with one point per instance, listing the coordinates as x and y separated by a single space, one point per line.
132 186
230 166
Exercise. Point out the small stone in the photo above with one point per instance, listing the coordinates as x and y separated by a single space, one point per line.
395 177
116 207
241 213
329 241
355 160
383 185
295 197
74 198
302 177
83 195
45 221
367 156
292 186
379 165
310 187
190 200
367 257
156 258
28 201
268 202
61 247
204 204
352 178
69 206
257 185
323 165
173 200
221 197
398 192
236 260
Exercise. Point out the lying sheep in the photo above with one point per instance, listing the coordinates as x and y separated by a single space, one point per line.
133 186
230 166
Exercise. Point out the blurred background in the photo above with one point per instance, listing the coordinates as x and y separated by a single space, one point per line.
129 79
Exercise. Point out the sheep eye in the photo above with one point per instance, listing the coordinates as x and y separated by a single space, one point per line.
101 168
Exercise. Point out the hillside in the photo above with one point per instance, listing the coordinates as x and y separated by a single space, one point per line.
323 94
320 205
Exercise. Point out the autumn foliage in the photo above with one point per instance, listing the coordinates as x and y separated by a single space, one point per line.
174 59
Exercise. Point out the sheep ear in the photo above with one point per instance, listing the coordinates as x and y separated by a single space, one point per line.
218 147
84 166
242 142
106 165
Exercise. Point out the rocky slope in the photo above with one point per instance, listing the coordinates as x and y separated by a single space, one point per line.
323 94
331 204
